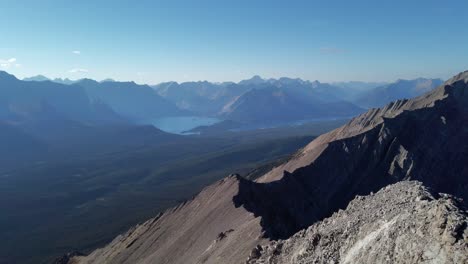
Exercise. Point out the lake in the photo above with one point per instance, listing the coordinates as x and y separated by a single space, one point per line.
180 124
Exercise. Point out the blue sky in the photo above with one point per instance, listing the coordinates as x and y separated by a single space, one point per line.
155 41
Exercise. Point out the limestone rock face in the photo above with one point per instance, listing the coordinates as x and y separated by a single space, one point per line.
402 223
424 139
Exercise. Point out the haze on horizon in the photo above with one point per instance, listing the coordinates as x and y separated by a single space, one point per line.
157 41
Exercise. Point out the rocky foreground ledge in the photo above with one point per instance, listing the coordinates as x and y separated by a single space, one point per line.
402 223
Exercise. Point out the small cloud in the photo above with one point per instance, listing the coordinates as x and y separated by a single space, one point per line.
17 65
7 63
78 71
77 52
331 50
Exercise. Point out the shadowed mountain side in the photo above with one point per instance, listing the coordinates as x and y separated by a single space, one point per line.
400 148
24 101
130 100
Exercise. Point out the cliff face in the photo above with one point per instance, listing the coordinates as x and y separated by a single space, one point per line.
423 139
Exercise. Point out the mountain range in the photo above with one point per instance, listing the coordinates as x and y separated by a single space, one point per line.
93 145
390 186
251 101
259 100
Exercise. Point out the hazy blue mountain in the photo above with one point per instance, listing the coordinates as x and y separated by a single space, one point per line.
42 78
203 98
37 78
130 100
255 80
27 101
64 81
400 89
271 104
353 89
108 80
359 86
313 90
318 90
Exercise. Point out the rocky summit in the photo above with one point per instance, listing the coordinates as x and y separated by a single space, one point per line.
402 223
408 153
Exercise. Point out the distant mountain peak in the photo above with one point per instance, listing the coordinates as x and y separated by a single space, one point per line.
108 80
65 81
87 80
37 78
315 83
256 79
287 80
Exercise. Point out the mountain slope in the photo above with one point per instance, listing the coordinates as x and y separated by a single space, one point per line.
269 104
130 100
203 98
173 238
421 139
32 101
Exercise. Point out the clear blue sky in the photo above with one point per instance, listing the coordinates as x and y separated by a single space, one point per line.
155 41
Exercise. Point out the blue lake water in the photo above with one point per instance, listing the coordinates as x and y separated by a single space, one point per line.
180 124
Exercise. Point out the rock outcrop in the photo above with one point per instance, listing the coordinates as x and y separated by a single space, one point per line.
423 139
402 223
